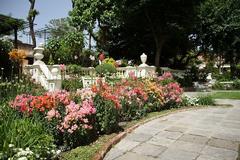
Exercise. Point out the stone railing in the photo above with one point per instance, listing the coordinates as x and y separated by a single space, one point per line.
122 72
50 79
175 72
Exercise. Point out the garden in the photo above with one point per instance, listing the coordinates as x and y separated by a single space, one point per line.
36 124
48 111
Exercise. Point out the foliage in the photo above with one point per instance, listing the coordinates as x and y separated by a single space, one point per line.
106 116
19 85
151 27
76 118
5 47
58 28
17 133
236 84
189 101
206 100
194 74
72 84
67 49
95 15
109 61
225 76
219 31
218 85
73 68
105 69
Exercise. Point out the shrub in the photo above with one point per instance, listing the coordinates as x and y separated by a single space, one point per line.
155 95
106 115
236 84
105 69
72 84
206 100
166 78
189 101
73 69
225 76
109 61
218 85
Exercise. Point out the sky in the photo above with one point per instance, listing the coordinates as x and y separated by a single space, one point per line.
48 9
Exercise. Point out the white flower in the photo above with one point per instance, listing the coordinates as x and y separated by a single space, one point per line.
58 152
92 58
11 145
22 158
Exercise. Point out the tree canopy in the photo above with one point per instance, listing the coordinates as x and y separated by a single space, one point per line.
220 29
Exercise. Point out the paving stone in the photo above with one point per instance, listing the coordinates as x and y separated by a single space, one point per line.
175 154
134 156
175 117
199 132
231 124
226 135
146 130
187 146
126 145
138 137
220 153
147 149
114 153
220 143
161 141
194 139
204 134
207 157
176 129
169 135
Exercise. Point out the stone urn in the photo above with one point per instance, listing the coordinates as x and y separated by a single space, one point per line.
143 58
38 52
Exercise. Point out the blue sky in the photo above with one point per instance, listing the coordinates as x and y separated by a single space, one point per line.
49 9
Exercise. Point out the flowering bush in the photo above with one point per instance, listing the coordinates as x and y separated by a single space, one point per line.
166 78
75 118
17 55
172 94
155 93
107 117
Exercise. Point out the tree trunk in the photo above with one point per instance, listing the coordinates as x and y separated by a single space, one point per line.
159 45
32 33
31 18
233 67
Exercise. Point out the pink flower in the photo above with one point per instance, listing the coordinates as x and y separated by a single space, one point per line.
62 67
52 113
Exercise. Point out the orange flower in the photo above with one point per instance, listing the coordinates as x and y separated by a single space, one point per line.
17 55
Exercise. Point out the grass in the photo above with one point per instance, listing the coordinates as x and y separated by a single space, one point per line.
226 95
88 152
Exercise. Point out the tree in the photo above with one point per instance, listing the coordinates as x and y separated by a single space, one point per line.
32 13
220 29
130 21
96 17
153 23
58 28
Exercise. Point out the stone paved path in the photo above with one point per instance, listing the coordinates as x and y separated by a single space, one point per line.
203 134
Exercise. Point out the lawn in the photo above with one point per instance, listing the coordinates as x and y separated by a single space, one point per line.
226 95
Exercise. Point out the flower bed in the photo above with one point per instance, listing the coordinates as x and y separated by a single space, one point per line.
76 118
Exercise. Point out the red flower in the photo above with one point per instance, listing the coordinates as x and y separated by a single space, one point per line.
101 56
